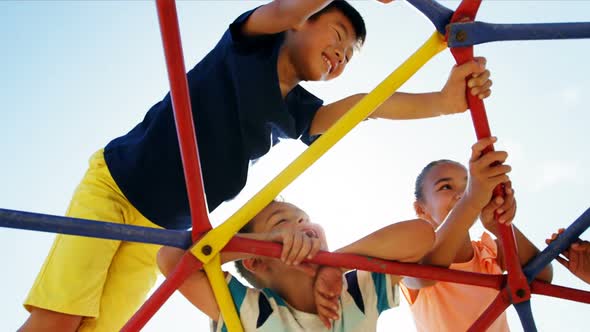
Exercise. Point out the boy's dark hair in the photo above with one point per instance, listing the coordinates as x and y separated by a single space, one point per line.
351 14
420 178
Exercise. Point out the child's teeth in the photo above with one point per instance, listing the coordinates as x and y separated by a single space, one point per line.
327 61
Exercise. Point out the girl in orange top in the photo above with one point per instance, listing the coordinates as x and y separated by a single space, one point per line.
452 201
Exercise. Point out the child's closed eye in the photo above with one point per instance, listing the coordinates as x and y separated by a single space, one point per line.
278 222
338 34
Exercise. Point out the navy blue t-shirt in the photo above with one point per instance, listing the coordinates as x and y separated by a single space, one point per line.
239 113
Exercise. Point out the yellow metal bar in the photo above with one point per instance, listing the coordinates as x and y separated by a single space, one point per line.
222 295
217 238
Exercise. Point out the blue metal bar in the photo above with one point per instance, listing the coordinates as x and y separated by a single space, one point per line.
438 14
526 316
474 33
571 234
98 229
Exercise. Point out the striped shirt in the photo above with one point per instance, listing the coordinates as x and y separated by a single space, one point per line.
364 297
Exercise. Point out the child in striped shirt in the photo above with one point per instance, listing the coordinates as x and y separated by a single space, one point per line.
283 298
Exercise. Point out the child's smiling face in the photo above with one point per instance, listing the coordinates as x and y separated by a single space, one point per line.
279 215
321 48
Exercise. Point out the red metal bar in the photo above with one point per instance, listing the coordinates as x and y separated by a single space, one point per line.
183 116
494 310
543 288
188 145
187 265
351 261
517 282
466 11
190 263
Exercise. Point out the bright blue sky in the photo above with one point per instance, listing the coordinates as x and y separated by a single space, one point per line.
77 74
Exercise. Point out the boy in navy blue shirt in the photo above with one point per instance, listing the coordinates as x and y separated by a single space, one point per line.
245 95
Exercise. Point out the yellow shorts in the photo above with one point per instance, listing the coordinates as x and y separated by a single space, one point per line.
103 280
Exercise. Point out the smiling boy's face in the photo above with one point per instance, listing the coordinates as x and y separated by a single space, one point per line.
321 48
278 215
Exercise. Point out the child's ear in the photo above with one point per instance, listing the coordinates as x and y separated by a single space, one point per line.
248 264
299 26
420 212
252 264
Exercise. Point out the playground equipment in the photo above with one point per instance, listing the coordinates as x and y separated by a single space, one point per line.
454 29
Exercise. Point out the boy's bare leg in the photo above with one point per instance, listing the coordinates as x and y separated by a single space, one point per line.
47 320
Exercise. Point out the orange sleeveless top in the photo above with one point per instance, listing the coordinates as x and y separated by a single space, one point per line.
454 307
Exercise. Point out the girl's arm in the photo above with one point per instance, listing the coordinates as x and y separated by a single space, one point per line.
507 208
485 173
450 236
526 251
405 241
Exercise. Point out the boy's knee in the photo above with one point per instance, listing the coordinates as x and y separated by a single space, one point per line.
167 259
47 320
